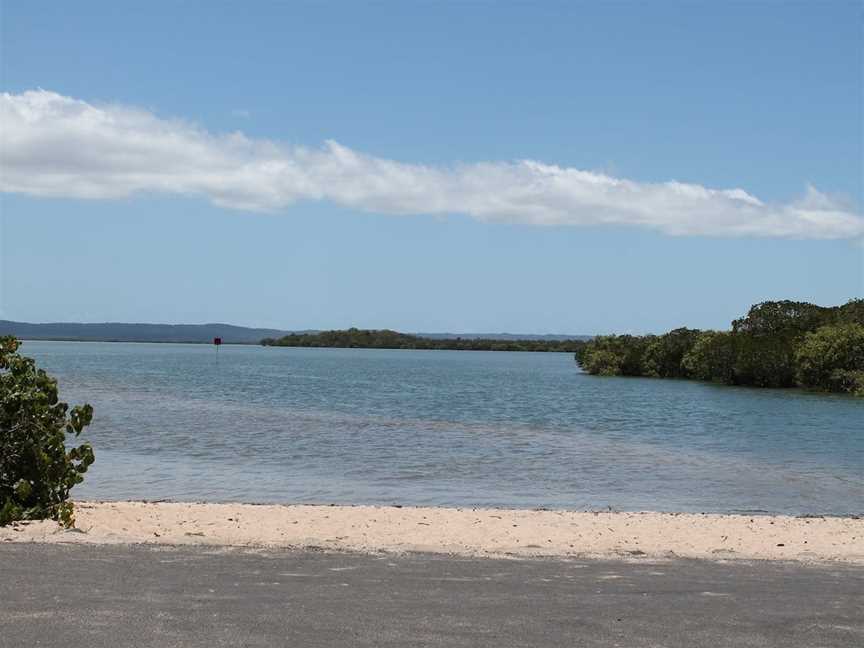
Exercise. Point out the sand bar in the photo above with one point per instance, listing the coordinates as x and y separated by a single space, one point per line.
463 531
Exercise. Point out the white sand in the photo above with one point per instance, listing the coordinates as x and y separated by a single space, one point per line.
465 531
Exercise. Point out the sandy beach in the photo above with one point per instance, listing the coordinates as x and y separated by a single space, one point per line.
463 531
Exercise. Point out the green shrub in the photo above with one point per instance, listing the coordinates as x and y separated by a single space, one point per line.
712 357
852 312
777 344
36 470
846 380
664 355
766 360
787 317
600 362
832 358
614 355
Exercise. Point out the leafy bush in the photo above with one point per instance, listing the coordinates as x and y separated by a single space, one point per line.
777 344
664 355
600 362
712 357
792 318
614 355
36 470
765 360
852 312
832 358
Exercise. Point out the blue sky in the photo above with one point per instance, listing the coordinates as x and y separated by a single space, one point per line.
423 216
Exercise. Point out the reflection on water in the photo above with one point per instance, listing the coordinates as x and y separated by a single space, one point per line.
448 428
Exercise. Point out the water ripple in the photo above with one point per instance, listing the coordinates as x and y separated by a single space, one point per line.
448 428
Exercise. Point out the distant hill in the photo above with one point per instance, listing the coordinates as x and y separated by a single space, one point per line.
116 332
204 333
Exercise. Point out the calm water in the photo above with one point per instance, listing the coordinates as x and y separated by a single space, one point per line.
448 428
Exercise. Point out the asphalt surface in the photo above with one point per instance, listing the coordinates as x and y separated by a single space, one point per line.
111 596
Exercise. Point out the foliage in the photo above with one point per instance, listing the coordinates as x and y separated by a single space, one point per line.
777 344
766 360
615 355
771 334
712 357
354 338
782 318
852 312
602 362
664 354
36 470
832 359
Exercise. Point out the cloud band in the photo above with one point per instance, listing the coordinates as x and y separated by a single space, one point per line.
57 146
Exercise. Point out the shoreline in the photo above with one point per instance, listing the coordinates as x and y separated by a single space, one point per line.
474 532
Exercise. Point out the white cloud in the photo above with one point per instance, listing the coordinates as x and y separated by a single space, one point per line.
63 147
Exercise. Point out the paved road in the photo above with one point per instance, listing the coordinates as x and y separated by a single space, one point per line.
111 596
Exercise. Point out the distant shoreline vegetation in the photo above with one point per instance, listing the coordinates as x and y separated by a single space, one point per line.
777 344
354 338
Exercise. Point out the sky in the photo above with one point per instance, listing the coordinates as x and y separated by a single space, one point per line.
472 167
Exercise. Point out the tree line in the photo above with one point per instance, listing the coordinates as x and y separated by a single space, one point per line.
354 338
777 344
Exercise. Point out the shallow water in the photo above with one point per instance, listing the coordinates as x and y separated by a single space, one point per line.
453 428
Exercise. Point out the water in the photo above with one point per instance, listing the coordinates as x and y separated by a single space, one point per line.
449 428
